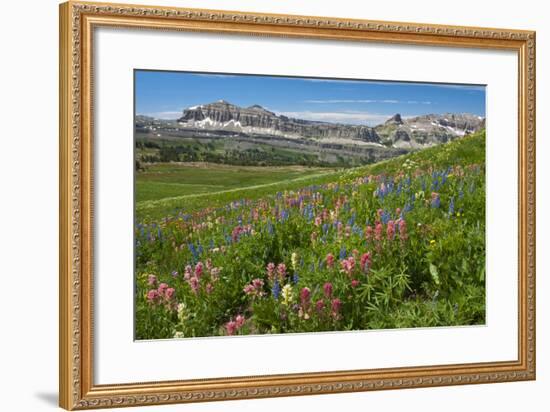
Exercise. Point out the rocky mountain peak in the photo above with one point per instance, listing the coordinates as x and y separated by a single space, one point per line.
256 107
408 133
255 119
429 129
395 119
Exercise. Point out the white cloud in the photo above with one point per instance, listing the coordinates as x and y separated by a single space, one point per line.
167 115
362 118
388 101
329 101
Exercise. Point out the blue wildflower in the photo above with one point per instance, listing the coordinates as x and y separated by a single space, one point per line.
385 217
435 184
436 200
452 206
342 254
276 291
193 251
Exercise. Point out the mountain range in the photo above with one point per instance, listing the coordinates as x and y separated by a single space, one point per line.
221 132
397 132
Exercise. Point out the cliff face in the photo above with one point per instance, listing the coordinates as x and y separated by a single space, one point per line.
427 130
222 115
398 132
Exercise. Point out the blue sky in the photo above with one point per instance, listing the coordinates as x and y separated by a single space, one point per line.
165 94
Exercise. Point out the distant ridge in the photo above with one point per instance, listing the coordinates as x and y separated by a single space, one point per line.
399 132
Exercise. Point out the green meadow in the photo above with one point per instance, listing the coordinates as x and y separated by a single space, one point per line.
248 250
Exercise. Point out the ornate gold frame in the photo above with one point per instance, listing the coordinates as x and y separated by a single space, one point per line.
77 22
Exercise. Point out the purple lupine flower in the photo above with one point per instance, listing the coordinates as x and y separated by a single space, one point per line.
276 291
436 200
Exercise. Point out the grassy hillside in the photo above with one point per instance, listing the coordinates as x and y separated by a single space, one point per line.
397 244
165 180
169 189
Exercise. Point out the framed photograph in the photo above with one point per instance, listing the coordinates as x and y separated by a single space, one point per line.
258 205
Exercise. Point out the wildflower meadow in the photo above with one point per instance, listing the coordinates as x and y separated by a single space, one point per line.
396 244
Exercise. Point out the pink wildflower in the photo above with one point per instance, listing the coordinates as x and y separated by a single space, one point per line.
327 289
194 283
305 295
258 284
236 233
254 288
152 280
365 261
239 321
231 327
199 270
354 283
169 293
348 265
162 289
209 288
281 270
403 230
249 289
336 306
368 232
215 273
390 230
188 272
152 296
270 270
378 231
319 305
330 260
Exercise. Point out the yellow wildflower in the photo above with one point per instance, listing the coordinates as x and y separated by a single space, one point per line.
294 260
287 294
